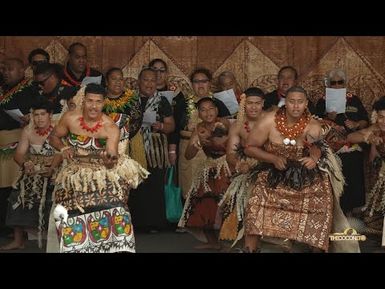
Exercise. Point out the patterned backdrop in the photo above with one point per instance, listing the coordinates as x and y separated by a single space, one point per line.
254 60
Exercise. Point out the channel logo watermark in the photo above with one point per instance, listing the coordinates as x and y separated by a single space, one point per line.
349 234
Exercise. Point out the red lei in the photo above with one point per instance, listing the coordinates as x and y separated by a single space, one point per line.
93 129
246 126
43 132
72 81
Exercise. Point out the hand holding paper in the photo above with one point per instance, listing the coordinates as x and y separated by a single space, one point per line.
167 94
16 114
336 100
92 79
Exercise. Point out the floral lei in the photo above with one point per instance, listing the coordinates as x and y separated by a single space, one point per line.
121 103
190 105
6 97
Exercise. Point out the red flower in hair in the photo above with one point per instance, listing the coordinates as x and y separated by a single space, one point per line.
172 87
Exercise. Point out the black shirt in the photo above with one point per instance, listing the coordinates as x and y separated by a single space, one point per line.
23 98
71 80
60 92
164 107
273 98
355 110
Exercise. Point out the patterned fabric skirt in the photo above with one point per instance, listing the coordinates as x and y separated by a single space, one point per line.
29 203
304 216
376 197
374 210
103 231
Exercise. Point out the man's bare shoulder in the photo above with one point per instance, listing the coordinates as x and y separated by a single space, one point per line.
315 123
27 131
107 120
235 127
314 129
69 115
267 117
109 124
373 127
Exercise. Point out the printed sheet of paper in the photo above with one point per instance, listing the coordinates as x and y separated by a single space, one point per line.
149 119
92 79
229 99
336 100
167 94
16 114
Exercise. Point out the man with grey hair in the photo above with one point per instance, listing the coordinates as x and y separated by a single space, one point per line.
354 118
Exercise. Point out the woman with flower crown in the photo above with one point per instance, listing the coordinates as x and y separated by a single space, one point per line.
297 183
93 185
38 163
354 118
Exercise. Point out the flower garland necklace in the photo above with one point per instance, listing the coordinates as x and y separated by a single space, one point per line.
291 133
121 103
93 129
6 97
43 132
190 108
246 125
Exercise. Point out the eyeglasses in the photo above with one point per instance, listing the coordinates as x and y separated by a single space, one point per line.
37 62
161 70
42 82
334 82
196 81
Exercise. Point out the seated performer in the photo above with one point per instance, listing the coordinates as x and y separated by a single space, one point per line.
293 185
374 210
37 159
94 184
212 180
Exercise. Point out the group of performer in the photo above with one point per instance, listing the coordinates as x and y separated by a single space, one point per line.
277 174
